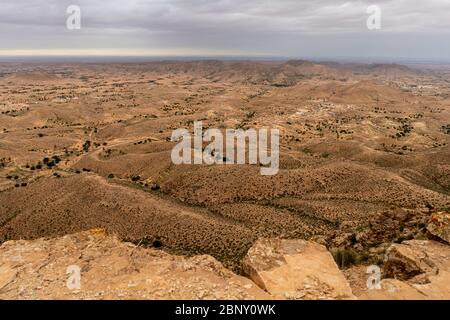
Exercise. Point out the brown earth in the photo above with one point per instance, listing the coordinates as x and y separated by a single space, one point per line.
364 154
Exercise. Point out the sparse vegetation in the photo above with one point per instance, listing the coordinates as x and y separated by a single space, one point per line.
360 154
86 146
345 257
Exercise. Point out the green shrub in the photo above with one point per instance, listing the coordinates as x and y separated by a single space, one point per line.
345 257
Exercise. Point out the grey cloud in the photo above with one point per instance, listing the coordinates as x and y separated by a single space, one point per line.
281 27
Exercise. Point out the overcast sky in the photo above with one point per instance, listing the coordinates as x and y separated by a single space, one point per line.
411 29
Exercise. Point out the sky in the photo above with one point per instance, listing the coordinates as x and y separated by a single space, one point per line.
410 29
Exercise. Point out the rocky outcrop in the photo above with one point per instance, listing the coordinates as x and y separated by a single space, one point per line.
110 269
422 265
415 257
439 225
280 269
295 269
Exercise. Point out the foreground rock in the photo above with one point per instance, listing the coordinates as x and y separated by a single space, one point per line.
393 289
111 269
296 269
423 267
416 257
439 225
280 269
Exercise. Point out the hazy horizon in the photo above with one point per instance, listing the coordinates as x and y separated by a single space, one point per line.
144 59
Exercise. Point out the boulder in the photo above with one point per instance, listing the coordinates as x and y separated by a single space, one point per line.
424 265
411 258
439 225
295 269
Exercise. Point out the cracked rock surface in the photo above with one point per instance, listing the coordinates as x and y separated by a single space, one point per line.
111 269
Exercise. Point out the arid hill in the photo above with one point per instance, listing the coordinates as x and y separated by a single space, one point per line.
364 155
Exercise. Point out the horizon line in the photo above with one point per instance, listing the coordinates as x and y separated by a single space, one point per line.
220 57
